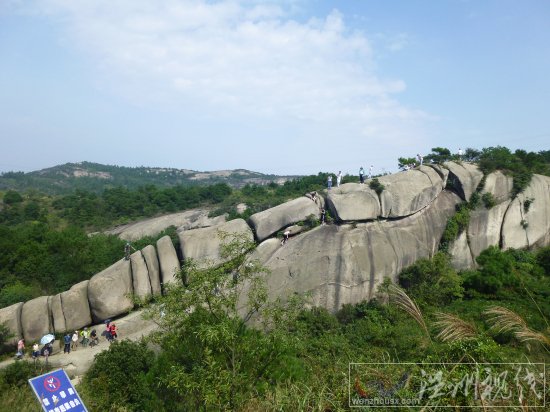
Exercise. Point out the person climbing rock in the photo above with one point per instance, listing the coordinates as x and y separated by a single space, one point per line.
128 250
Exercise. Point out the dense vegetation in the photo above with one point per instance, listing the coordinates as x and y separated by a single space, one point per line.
44 241
297 358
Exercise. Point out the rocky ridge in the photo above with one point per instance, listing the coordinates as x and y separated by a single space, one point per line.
375 236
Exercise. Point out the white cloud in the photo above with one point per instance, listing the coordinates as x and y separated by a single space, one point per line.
247 58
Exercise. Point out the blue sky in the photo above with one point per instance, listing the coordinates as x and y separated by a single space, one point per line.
286 87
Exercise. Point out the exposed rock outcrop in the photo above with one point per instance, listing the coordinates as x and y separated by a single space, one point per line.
152 262
408 192
272 220
76 309
35 319
168 260
465 178
140 276
485 225
204 244
528 226
342 264
58 318
11 318
110 291
499 185
353 202
461 256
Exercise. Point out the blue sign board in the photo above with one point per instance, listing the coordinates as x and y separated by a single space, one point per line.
56 393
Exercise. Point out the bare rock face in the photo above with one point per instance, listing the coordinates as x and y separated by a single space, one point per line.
76 309
408 192
499 185
272 220
527 221
11 318
204 244
58 318
168 260
353 202
343 264
140 276
152 262
35 319
461 256
110 291
466 177
442 172
152 227
485 225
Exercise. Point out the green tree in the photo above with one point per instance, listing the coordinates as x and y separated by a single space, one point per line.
218 359
12 197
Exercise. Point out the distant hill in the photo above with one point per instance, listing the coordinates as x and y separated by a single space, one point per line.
96 177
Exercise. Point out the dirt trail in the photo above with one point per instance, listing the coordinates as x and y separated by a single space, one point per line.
76 363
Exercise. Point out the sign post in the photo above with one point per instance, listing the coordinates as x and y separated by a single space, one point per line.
56 393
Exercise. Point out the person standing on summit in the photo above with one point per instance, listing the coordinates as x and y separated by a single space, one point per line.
361 175
339 178
329 182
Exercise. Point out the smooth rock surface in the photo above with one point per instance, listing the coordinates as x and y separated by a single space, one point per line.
140 276
110 291
75 306
272 220
499 185
153 269
58 318
168 260
485 226
522 228
461 256
353 202
203 245
408 192
11 317
340 264
466 177
152 227
35 319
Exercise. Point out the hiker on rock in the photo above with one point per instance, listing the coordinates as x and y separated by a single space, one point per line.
128 250
361 175
329 182
20 349
339 178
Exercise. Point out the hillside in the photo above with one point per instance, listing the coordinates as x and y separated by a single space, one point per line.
96 177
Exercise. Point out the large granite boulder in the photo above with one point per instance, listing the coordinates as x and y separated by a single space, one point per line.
465 178
343 264
272 220
499 185
203 245
168 260
58 317
461 256
408 192
11 318
353 202
485 226
140 276
76 308
152 262
528 226
442 172
110 291
151 227
35 319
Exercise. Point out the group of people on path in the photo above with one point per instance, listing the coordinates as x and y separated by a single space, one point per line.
84 337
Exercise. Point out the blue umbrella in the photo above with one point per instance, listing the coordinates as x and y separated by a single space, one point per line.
47 339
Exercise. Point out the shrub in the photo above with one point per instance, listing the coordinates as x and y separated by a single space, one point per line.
11 197
376 186
527 204
488 200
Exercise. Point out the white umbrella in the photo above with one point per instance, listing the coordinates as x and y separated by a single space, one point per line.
47 339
